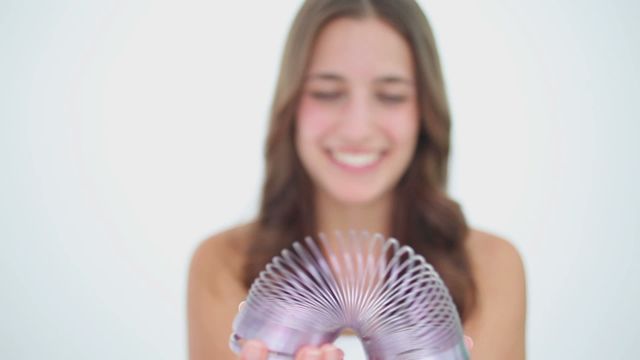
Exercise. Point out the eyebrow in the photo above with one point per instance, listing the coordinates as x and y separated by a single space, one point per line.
325 76
387 79
392 79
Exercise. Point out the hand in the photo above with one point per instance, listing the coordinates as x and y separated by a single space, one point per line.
256 350
468 342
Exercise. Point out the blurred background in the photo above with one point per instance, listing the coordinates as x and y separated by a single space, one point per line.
132 130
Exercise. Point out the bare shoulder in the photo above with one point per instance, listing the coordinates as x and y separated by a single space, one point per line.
497 323
231 240
497 265
222 253
492 253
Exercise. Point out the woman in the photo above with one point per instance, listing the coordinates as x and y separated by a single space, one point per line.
359 139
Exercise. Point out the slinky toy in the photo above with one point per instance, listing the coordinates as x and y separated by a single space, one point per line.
390 296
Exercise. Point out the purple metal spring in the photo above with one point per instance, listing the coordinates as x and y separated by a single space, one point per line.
389 295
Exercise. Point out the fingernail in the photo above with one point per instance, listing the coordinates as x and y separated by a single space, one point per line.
337 354
468 341
251 350
313 354
332 352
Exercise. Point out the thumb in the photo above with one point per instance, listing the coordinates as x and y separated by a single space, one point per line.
468 342
254 350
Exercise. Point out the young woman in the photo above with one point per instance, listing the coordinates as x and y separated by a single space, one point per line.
359 139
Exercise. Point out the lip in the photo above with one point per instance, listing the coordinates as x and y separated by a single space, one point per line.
356 169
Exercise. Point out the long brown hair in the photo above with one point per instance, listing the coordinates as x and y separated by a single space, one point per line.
424 217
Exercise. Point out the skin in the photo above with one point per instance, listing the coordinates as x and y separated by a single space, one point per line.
359 96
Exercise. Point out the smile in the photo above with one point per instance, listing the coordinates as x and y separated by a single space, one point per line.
359 160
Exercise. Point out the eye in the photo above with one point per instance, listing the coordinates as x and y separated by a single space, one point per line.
391 99
326 95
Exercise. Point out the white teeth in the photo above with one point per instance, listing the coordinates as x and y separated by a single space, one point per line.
356 159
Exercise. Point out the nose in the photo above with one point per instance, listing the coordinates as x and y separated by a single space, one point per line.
357 118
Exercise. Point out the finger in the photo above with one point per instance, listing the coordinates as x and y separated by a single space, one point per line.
241 305
331 352
254 350
468 342
309 353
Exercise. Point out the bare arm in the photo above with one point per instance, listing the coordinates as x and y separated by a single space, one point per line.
214 293
497 325
213 296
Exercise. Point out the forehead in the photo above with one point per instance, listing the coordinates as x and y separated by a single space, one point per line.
361 48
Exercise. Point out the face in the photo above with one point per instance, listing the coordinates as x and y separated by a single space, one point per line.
357 120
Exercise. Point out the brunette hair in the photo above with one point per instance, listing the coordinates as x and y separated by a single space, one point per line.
424 217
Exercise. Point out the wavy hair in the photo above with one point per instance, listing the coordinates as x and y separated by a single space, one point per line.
424 217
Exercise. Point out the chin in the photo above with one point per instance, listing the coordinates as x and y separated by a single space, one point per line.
359 197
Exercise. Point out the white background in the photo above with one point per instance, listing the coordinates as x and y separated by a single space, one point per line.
132 130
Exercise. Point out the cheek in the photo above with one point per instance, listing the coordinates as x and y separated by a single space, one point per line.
402 127
312 121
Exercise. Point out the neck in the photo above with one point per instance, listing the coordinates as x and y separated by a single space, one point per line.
332 215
